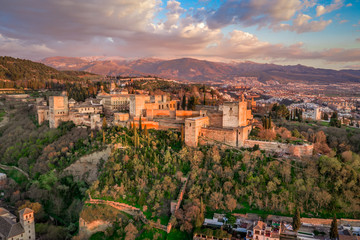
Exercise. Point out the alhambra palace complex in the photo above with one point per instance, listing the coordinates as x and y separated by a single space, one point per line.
228 124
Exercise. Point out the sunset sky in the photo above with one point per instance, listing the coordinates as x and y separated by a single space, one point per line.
315 33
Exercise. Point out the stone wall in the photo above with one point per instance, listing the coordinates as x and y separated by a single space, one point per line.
181 114
121 117
159 113
216 119
148 124
296 150
214 135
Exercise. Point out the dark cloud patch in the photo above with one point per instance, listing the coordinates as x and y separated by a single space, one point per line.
253 12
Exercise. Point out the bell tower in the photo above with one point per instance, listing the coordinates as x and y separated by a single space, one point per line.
27 221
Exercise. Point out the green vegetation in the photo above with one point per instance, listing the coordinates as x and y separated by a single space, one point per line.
327 138
218 233
43 153
25 73
2 114
334 234
146 173
149 161
296 220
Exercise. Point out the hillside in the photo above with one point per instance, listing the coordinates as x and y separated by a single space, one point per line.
20 70
201 70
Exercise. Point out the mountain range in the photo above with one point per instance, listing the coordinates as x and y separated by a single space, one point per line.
201 70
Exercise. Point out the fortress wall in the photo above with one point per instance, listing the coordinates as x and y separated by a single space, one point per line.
148 124
211 136
296 150
183 114
215 119
156 113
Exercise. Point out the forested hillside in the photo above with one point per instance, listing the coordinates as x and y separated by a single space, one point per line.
42 153
15 72
146 173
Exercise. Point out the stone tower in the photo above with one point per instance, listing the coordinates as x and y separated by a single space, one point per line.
58 110
27 221
235 114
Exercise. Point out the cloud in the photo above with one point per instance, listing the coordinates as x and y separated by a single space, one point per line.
173 15
343 21
355 66
349 5
357 40
303 24
75 19
251 12
336 4
41 28
243 45
19 48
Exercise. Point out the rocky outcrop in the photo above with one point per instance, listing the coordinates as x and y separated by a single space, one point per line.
86 168
86 229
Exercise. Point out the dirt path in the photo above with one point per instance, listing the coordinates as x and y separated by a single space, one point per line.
129 210
14 168
5 118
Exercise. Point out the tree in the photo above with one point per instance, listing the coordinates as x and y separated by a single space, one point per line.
182 134
146 132
104 123
334 234
130 231
296 220
140 125
334 120
204 103
230 202
200 217
326 117
266 122
183 103
191 103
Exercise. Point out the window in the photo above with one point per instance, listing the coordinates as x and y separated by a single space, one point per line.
230 109
190 124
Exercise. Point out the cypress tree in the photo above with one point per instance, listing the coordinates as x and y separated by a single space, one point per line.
104 123
146 133
263 122
182 134
183 103
296 220
269 122
135 135
204 98
140 125
334 234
